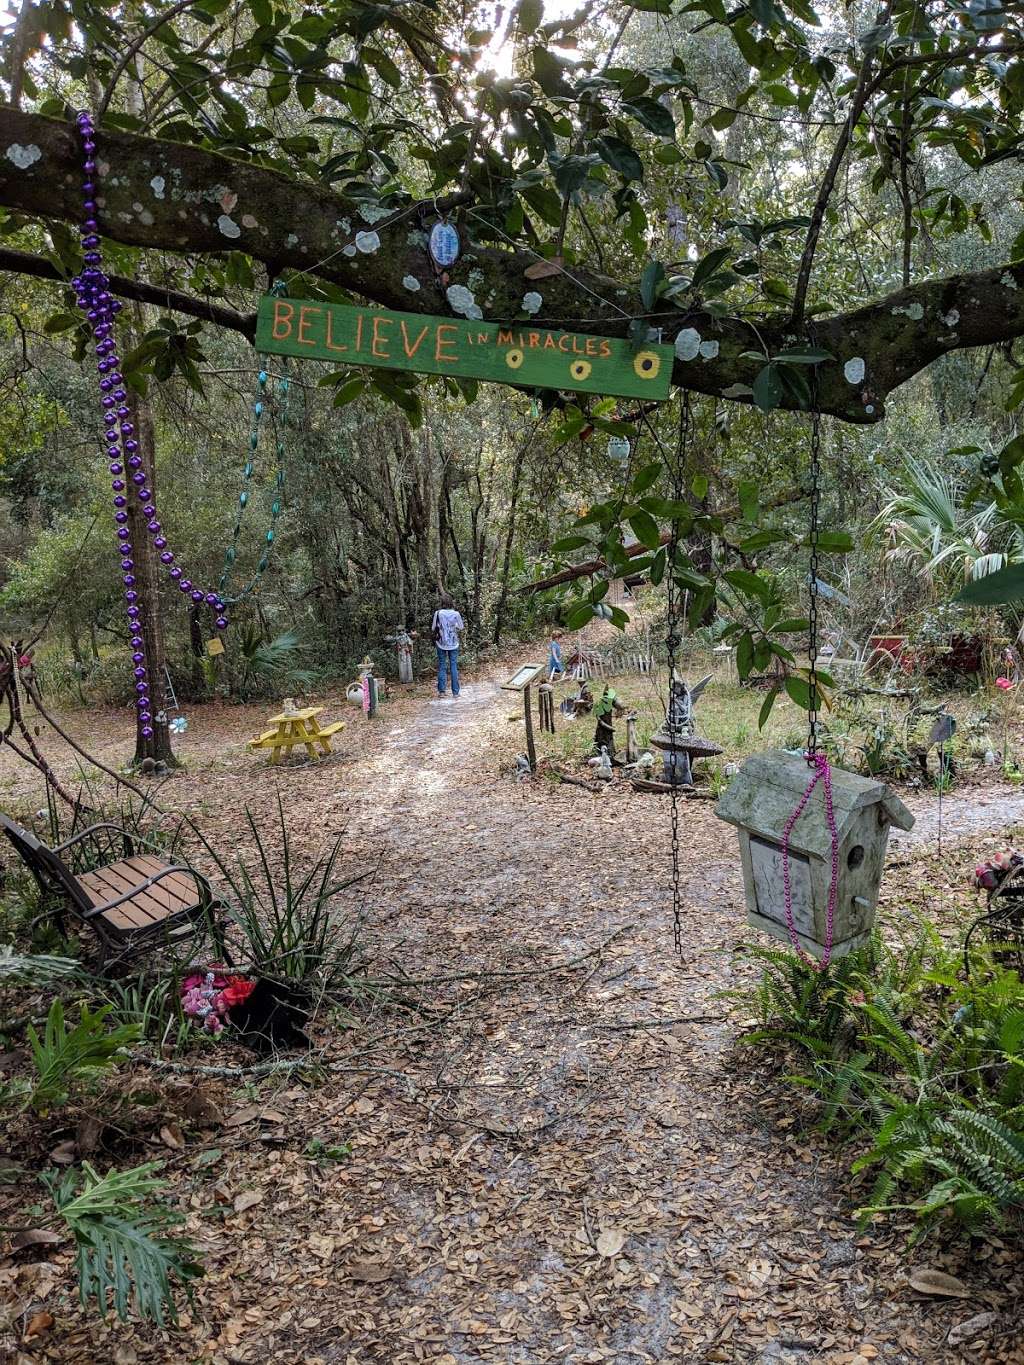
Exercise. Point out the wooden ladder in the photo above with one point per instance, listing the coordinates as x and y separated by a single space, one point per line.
170 698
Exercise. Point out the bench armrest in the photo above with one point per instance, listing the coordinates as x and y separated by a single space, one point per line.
129 840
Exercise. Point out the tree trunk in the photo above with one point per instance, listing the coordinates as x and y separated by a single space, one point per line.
73 640
517 478
158 745
604 735
198 650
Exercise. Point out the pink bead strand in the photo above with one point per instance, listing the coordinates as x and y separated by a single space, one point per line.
823 774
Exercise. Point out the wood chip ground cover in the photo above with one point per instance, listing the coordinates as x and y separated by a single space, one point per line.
533 1173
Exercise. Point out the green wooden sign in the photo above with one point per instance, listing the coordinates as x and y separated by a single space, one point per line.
531 357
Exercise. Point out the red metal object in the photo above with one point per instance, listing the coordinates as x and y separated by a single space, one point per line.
889 649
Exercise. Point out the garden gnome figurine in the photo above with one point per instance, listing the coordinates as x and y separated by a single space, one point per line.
606 708
602 765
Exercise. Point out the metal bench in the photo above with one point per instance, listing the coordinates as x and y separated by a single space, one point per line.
130 903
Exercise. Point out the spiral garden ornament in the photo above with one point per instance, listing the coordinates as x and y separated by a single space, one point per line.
92 290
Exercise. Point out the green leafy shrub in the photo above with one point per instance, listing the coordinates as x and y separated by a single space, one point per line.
898 1048
122 1248
267 666
65 1054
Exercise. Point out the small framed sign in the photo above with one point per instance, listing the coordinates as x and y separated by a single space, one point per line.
444 244
215 646
523 677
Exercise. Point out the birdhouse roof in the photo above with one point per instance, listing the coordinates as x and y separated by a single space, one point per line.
763 795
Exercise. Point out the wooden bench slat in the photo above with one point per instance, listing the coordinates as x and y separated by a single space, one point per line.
172 897
178 884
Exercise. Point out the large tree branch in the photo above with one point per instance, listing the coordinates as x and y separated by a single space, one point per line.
857 102
595 566
22 263
181 198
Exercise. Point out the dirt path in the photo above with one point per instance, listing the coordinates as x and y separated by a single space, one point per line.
571 1164
586 1189
965 814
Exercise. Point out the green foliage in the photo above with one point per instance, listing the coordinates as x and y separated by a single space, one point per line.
35 969
123 1252
605 704
152 1007
66 1054
321 1152
929 1067
264 666
285 918
943 529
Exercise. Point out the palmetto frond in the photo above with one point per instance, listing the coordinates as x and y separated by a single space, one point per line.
925 523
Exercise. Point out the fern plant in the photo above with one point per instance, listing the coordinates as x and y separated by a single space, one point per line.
123 1251
65 1053
897 1045
968 1164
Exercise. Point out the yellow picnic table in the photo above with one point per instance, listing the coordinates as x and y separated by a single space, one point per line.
294 728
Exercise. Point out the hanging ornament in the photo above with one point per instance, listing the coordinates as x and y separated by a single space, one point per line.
618 448
260 407
92 291
444 244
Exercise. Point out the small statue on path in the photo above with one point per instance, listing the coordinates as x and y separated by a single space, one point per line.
602 765
606 709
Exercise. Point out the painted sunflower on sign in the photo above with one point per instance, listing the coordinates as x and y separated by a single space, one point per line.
580 369
646 364
514 358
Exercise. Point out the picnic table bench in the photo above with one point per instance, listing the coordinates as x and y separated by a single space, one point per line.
294 728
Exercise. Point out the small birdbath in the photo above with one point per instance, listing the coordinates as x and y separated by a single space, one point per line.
680 753
676 738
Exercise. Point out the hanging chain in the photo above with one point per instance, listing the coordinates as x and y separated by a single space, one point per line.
277 494
817 760
812 614
672 641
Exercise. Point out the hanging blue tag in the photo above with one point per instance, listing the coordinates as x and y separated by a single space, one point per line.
444 244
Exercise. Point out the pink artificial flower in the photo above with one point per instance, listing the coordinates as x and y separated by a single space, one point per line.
1004 684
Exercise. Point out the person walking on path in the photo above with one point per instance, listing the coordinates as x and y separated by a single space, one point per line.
445 631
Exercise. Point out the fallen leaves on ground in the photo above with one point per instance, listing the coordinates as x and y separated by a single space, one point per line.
546 1145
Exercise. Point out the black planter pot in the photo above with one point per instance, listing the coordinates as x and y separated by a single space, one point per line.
272 1018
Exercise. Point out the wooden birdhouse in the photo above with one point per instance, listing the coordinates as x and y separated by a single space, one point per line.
760 801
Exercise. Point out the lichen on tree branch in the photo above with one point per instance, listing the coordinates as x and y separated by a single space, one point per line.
180 198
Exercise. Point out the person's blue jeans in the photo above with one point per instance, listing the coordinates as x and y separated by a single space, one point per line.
447 659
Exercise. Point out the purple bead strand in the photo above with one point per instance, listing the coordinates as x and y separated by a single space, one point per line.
92 290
